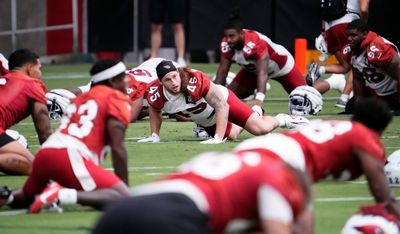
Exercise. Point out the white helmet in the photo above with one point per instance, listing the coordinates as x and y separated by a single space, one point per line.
392 169
370 220
305 100
57 102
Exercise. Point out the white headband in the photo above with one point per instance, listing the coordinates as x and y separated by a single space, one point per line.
109 72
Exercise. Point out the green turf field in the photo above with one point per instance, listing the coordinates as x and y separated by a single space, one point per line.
334 202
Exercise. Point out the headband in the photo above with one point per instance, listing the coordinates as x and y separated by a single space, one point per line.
164 67
109 73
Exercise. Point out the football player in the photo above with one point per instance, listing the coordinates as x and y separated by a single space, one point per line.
376 62
212 106
217 193
70 159
260 59
22 94
331 42
337 149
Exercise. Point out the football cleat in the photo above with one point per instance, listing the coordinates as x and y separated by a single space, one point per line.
5 193
341 103
312 74
200 132
291 121
46 198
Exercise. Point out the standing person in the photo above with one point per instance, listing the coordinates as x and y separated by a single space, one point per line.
336 15
260 59
22 94
71 157
175 10
212 106
337 149
216 193
376 62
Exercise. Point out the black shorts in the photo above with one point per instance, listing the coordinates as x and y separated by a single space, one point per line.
158 213
174 10
5 139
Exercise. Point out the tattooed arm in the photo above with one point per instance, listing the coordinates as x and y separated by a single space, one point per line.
40 116
216 99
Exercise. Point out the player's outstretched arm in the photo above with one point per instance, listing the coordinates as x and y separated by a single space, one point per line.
377 182
216 99
358 84
136 108
116 130
40 116
222 71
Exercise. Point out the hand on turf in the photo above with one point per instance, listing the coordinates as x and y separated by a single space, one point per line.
215 140
154 138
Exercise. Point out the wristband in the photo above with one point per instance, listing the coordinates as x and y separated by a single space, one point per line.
260 96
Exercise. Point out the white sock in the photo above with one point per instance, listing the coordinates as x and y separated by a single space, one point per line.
344 97
68 196
336 81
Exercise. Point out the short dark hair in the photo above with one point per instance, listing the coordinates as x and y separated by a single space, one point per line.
358 24
102 65
20 57
234 21
373 113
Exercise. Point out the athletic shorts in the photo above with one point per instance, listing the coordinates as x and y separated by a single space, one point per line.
5 139
336 37
156 213
174 10
68 170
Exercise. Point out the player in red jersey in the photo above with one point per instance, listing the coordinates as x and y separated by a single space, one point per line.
71 157
337 149
22 94
260 59
216 193
375 61
330 42
209 105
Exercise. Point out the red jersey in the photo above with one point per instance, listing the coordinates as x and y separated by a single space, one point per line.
324 148
17 92
140 79
231 184
84 125
377 52
256 45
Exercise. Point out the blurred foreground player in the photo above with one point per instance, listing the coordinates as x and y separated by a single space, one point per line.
70 159
22 94
337 149
216 193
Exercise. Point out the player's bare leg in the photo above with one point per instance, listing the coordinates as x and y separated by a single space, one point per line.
257 125
156 39
235 132
15 159
179 34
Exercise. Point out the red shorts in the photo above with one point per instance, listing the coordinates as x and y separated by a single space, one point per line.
336 37
289 82
239 113
55 164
